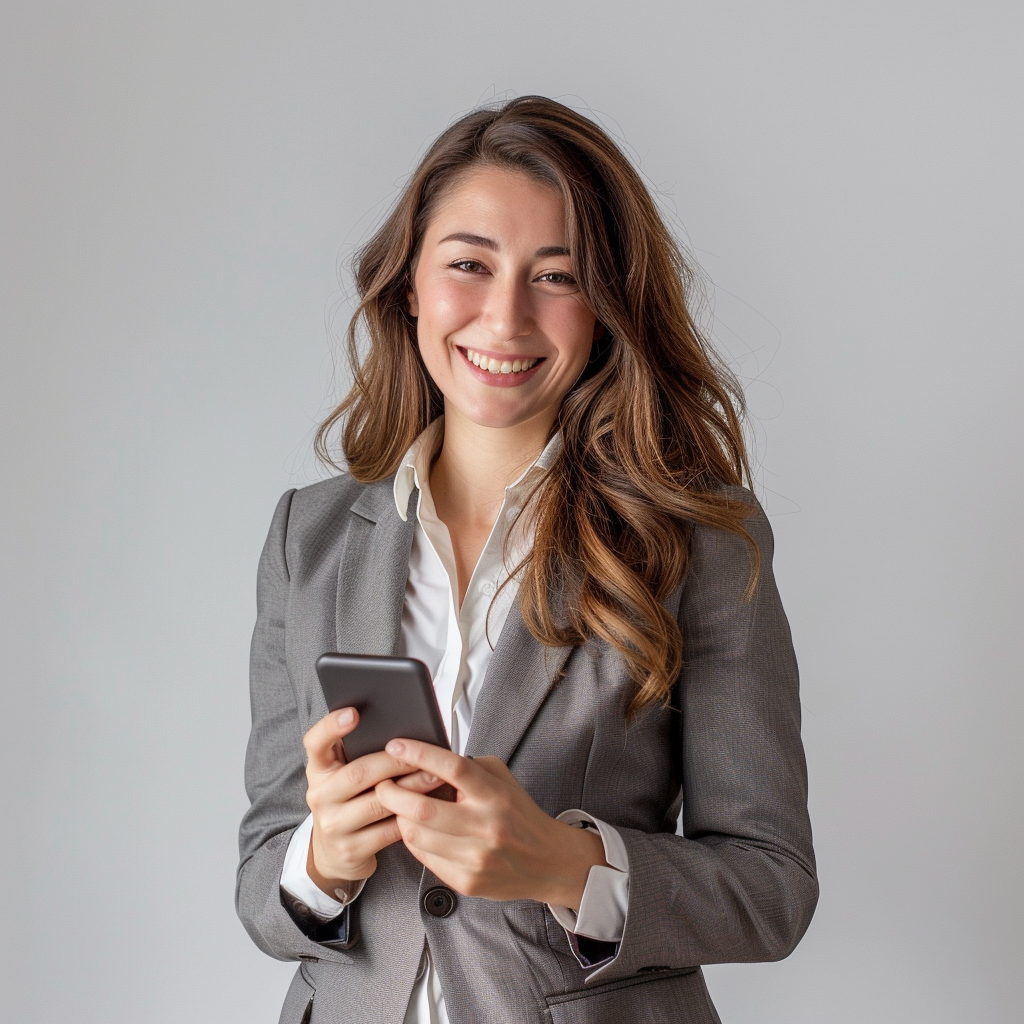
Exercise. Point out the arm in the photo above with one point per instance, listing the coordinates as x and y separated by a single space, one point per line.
282 847
740 884
275 778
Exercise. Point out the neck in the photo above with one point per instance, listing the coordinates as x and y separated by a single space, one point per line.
476 464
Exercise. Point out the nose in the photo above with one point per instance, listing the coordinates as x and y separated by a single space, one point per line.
507 311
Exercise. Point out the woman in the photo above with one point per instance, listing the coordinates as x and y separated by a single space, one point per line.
543 503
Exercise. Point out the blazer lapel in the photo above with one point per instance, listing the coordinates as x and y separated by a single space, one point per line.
372 577
521 674
373 573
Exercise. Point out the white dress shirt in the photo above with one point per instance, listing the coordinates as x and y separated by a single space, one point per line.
456 645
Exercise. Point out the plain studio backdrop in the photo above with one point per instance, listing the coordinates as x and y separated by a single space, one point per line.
179 184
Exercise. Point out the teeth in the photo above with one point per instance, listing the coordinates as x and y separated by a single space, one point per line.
494 366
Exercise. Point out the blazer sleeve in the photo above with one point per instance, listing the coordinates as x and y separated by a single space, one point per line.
739 884
275 779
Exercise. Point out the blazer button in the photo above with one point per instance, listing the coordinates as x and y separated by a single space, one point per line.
439 902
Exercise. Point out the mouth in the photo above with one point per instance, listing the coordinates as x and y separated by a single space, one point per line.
502 367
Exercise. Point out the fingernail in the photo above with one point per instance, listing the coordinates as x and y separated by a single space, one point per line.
345 717
430 778
396 748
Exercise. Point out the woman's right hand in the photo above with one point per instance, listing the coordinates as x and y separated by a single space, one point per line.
349 824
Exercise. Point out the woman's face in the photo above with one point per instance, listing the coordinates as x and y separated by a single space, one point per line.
502 328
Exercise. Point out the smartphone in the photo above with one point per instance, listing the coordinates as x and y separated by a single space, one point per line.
394 698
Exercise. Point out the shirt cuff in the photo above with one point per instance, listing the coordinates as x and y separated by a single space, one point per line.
295 879
602 913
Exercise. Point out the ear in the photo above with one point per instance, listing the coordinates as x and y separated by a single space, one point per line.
414 306
598 329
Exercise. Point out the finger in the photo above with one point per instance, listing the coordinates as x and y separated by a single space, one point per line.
379 835
422 840
351 856
419 782
322 741
362 810
358 776
342 818
445 764
440 815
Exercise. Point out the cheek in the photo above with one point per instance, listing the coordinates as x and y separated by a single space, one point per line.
442 312
445 307
575 331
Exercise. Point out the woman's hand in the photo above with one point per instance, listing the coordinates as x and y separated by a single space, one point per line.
494 841
350 825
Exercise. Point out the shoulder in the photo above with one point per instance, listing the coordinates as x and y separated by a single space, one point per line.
325 497
725 558
735 499
311 518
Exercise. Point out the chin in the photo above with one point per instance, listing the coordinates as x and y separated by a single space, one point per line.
486 414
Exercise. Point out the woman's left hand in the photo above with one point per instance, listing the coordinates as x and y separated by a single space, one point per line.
493 841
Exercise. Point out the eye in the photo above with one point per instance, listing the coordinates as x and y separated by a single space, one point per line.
559 277
469 266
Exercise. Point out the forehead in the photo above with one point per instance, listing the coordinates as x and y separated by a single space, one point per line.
501 204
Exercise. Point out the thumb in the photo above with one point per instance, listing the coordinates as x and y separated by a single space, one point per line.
324 749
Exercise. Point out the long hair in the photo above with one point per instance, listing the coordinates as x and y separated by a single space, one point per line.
651 431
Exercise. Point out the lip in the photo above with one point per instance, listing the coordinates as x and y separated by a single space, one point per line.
500 380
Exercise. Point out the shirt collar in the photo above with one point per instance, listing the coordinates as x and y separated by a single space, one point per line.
415 465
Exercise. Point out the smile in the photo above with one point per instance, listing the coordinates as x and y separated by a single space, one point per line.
497 366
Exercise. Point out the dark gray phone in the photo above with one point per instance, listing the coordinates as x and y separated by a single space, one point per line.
394 698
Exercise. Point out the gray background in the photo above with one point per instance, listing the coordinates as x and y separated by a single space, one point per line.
179 181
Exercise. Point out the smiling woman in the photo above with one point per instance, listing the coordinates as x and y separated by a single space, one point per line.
543 502
506 293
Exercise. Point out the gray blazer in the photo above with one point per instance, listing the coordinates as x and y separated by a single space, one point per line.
739 885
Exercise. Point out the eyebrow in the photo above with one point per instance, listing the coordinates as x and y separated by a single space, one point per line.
490 243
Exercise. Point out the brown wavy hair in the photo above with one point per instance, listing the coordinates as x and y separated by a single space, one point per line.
651 431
